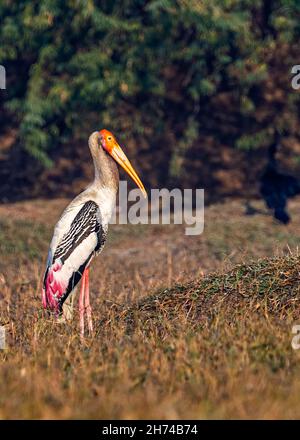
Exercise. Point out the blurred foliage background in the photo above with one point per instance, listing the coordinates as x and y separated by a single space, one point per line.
194 90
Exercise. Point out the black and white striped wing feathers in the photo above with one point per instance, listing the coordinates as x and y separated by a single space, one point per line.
67 261
86 223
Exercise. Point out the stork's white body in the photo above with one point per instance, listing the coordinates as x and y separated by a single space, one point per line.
105 200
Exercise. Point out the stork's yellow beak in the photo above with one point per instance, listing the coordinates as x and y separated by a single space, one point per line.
120 157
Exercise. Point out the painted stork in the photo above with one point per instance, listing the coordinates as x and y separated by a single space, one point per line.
81 231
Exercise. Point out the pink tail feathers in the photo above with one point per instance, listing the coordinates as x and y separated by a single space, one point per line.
54 287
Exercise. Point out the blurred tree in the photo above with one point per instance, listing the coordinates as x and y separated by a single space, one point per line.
164 72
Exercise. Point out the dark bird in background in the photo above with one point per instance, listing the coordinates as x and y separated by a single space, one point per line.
277 187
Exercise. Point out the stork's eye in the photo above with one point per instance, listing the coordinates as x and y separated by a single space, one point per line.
109 138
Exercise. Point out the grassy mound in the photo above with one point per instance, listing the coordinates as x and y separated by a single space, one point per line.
269 287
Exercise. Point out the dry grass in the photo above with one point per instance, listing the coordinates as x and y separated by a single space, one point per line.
172 340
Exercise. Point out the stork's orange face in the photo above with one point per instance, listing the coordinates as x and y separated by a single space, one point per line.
109 144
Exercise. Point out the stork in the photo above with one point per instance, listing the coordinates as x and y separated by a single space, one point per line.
81 231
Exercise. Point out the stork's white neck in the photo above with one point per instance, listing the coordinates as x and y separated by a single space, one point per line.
104 188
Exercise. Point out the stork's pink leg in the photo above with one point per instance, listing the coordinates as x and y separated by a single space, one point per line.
87 301
81 305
